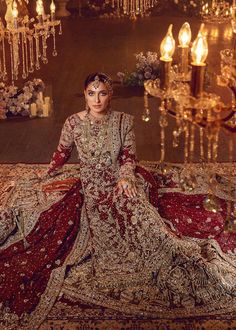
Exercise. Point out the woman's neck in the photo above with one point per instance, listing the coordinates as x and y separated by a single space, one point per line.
98 115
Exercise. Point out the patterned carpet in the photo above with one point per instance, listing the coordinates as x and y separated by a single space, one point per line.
20 187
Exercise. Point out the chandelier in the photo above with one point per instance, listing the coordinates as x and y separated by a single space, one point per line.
133 8
23 40
200 117
216 11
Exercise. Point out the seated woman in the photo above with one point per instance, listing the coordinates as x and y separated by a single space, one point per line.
104 242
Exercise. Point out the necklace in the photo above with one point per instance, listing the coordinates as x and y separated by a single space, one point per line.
94 135
98 121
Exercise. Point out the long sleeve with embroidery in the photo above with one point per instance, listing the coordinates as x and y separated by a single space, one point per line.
127 156
64 148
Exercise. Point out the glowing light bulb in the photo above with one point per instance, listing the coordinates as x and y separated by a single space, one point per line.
185 35
52 7
167 47
39 7
199 50
14 10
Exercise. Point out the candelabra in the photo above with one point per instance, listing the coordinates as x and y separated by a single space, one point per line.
133 8
217 11
23 40
182 95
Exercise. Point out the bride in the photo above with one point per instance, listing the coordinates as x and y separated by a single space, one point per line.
104 242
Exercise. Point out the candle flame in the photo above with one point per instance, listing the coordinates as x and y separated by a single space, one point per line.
167 47
185 35
199 49
39 7
14 9
52 7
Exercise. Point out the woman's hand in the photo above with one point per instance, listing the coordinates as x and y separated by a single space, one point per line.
127 187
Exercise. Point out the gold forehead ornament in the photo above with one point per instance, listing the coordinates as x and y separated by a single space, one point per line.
97 82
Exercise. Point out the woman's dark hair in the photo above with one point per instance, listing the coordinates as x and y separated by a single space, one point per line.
102 77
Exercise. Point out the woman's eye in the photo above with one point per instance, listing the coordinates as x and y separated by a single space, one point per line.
90 93
103 93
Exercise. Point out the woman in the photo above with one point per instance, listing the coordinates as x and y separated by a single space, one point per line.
103 242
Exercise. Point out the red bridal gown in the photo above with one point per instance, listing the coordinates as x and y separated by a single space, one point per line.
108 249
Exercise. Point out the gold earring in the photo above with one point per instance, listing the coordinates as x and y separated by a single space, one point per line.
87 107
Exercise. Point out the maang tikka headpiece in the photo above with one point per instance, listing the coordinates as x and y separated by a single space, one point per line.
96 82
106 81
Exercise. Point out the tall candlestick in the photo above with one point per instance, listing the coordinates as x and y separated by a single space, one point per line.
15 14
199 54
167 49
184 41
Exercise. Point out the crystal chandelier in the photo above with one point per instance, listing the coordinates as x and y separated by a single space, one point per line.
217 11
23 40
200 117
133 8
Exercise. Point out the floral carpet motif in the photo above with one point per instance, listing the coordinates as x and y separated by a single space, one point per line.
21 188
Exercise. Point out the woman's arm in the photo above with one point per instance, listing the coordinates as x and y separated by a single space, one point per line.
127 159
64 149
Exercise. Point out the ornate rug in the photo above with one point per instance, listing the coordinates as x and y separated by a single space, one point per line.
20 187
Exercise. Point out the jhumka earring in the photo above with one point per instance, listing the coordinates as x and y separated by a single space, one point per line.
86 106
109 105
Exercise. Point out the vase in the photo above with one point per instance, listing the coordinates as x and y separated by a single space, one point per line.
62 11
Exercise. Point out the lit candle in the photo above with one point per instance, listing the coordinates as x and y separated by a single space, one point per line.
47 100
184 37
46 108
33 109
52 9
40 10
15 13
167 49
199 54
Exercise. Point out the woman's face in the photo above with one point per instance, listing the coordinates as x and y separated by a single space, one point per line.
97 97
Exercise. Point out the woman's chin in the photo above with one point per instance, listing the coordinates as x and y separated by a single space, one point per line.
98 110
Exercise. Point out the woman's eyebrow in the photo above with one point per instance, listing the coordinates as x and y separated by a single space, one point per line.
102 91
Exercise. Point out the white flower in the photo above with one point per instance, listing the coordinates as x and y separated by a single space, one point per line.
147 75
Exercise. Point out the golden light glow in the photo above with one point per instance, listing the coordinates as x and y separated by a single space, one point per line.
167 47
39 7
199 50
233 16
52 7
214 32
185 35
14 10
228 33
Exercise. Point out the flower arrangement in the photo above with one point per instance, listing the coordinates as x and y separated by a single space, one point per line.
15 101
147 67
99 8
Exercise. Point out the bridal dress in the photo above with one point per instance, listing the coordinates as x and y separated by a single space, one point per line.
101 247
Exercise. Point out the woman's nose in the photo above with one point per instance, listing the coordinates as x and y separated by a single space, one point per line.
97 98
